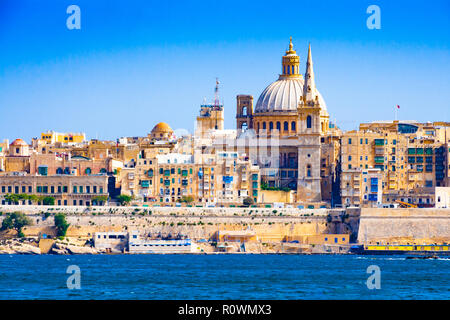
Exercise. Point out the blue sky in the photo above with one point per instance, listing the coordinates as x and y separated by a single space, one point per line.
136 63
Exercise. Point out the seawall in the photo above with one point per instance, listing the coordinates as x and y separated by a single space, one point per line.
402 226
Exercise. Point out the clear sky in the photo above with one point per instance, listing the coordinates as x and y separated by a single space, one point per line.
136 63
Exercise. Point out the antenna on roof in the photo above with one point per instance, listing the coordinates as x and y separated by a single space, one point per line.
216 94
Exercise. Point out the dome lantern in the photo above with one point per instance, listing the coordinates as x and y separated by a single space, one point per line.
290 62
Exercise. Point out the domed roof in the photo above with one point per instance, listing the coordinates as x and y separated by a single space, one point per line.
162 127
281 95
19 142
284 95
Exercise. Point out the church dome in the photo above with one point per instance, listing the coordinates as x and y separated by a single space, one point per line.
285 94
19 142
162 127
281 95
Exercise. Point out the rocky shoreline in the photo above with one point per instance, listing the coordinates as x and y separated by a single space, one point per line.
30 246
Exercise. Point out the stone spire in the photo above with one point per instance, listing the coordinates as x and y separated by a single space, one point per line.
309 88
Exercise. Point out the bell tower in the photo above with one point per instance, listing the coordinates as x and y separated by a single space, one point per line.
244 112
309 134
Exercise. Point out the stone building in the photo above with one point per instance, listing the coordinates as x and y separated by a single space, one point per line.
65 189
169 178
361 187
412 156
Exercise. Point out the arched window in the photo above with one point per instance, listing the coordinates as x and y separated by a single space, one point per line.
293 126
308 170
286 126
264 126
278 126
284 69
244 111
270 125
66 170
102 170
258 126
244 126
59 171
150 173
309 122
88 171
293 70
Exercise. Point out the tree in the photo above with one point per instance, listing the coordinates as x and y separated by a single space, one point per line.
33 198
61 224
12 198
187 199
99 200
16 221
248 201
124 199
48 201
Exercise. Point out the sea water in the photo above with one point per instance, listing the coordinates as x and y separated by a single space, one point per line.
231 276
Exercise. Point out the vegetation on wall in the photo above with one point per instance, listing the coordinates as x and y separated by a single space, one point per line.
16 198
264 186
187 199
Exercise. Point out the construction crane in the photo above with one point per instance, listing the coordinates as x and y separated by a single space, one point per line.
406 204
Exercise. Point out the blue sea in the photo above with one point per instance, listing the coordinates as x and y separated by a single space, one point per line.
222 277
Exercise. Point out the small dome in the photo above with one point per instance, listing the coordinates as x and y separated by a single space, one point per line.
18 142
162 127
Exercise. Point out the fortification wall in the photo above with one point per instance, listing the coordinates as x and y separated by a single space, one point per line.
411 225
195 223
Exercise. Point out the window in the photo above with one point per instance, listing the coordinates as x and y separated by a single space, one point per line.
293 126
278 125
349 140
286 126
264 126
88 171
270 125
309 122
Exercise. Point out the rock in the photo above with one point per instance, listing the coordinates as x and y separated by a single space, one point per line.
25 249
81 250
59 251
